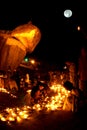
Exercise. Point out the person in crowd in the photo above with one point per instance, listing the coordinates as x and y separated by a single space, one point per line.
38 92
27 81
76 95
35 82
12 85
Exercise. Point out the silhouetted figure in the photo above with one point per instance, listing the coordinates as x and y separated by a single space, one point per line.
75 97
38 92
69 86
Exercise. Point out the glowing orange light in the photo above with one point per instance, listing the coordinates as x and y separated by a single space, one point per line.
78 28
32 61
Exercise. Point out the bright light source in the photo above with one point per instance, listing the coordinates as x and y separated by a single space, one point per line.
78 28
65 67
32 61
67 13
26 59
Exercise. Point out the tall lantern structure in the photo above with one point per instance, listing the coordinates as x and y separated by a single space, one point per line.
15 44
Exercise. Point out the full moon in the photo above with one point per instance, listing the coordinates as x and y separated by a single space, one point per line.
68 13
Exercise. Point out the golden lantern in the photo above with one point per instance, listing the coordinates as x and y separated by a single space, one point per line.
15 44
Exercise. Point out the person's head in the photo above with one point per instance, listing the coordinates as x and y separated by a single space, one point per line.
68 85
41 86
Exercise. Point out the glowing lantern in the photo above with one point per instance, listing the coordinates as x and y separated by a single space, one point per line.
15 44
78 28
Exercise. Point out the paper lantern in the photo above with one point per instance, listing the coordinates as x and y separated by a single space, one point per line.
15 44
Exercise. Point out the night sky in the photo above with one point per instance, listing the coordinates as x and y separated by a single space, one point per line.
60 39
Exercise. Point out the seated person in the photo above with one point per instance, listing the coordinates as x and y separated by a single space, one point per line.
38 92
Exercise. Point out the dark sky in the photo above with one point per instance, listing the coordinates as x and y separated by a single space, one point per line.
60 39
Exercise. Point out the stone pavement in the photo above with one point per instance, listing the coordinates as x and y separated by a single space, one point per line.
54 120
